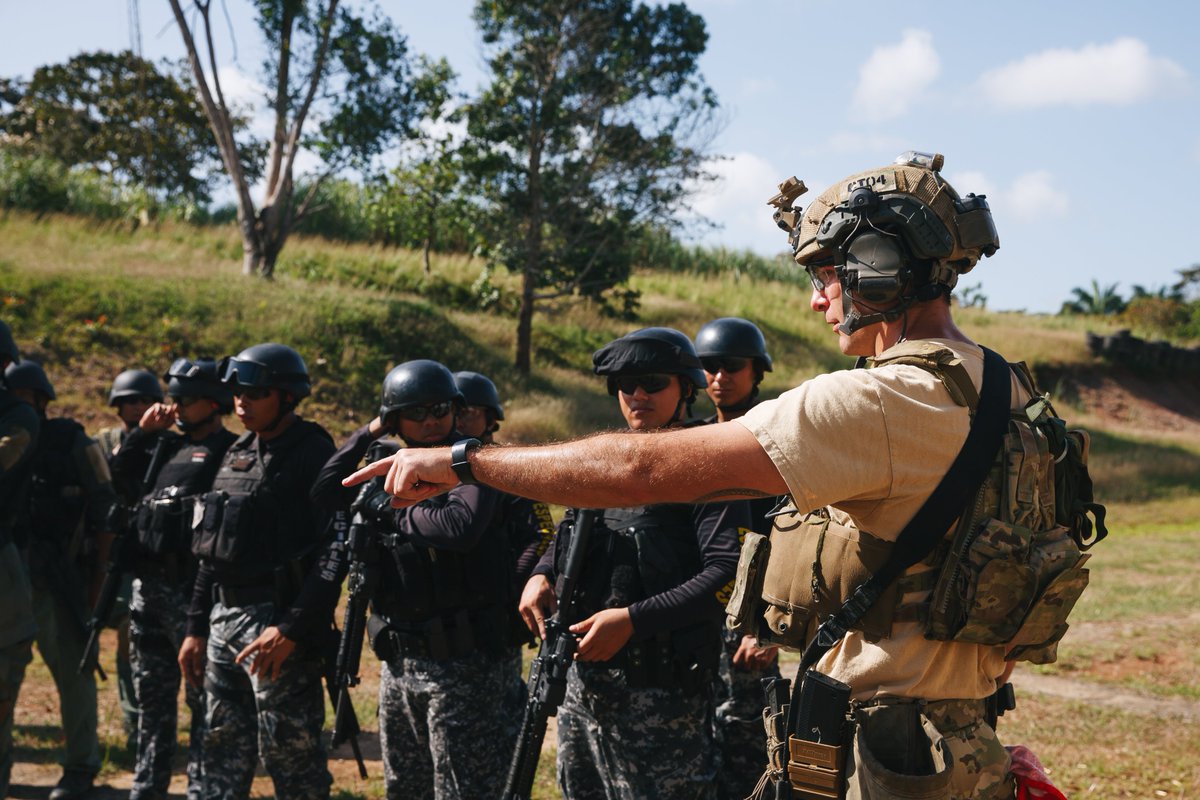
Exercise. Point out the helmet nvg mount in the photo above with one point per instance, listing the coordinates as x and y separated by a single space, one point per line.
896 235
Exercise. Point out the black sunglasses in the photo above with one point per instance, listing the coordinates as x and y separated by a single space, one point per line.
252 392
726 364
421 413
185 400
651 383
142 399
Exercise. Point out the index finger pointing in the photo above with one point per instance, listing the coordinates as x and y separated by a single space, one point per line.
372 470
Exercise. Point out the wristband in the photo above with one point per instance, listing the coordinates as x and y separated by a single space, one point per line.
459 462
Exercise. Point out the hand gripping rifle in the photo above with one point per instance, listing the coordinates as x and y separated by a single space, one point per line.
548 673
115 569
360 586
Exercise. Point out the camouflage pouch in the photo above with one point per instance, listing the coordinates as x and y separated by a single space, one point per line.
743 611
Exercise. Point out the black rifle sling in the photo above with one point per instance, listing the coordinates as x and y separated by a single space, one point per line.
923 532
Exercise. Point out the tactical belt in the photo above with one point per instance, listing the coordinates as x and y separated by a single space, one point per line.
164 568
441 638
237 596
656 664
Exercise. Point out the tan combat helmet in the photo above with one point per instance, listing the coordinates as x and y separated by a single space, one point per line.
897 234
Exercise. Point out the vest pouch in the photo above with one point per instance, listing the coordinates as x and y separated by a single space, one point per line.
1037 640
744 610
162 526
812 570
875 772
986 586
226 527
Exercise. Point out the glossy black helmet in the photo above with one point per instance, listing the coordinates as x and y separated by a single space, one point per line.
28 375
9 354
650 350
198 378
421 382
478 390
267 366
733 336
135 383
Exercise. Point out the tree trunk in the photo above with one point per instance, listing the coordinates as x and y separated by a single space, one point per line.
428 269
525 323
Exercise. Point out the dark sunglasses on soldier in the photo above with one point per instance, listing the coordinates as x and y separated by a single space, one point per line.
726 364
185 400
651 383
252 392
141 399
421 413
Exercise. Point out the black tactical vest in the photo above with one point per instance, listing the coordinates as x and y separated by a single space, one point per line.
14 482
185 469
57 498
640 552
257 517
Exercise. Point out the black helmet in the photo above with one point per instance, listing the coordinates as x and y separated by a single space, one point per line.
200 379
733 336
267 366
28 375
9 354
135 383
417 383
478 390
650 350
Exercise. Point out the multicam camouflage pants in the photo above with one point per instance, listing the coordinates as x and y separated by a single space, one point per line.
739 732
979 764
253 716
447 728
156 629
16 647
618 743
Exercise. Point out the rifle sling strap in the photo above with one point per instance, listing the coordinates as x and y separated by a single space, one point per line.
923 532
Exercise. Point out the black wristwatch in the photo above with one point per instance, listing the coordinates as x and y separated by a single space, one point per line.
459 462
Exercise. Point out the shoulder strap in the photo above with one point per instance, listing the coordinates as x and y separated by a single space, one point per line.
929 525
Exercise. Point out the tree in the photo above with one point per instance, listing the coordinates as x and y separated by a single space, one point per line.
339 84
119 114
594 125
1099 301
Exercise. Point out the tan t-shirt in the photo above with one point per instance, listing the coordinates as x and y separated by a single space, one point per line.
873 445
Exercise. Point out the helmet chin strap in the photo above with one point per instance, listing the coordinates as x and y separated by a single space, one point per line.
188 427
854 321
449 439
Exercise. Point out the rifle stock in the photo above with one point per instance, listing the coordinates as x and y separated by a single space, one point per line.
548 673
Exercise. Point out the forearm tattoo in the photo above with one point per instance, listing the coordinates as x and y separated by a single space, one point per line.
732 493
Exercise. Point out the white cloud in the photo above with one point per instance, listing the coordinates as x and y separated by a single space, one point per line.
851 142
757 86
895 75
971 182
1119 73
1034 195
738 199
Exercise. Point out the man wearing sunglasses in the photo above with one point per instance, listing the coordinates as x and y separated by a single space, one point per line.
179 468
263 599
884 248
734 355
637 718
443 622
133 391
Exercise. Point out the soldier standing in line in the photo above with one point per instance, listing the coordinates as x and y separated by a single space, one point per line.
133 391
734 355
530 525
637 718
180 467
70 503
262 603
442 618
19 425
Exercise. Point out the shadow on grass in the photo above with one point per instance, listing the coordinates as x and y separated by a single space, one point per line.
1127 469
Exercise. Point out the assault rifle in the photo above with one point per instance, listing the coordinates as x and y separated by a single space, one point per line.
115 569
548 673
360 586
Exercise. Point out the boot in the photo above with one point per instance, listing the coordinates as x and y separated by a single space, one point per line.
73 785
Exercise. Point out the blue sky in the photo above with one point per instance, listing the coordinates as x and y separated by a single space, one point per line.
1079 120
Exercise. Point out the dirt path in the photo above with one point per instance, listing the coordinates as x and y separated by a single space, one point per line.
1118 699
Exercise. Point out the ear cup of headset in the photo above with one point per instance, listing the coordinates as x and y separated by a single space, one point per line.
876 268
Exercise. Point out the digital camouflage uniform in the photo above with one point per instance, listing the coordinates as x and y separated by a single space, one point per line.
178 469
18 437
71 500
280 575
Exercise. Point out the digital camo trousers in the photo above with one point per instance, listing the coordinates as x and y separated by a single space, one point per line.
618 743
740 736
156 629
253 716
447 727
